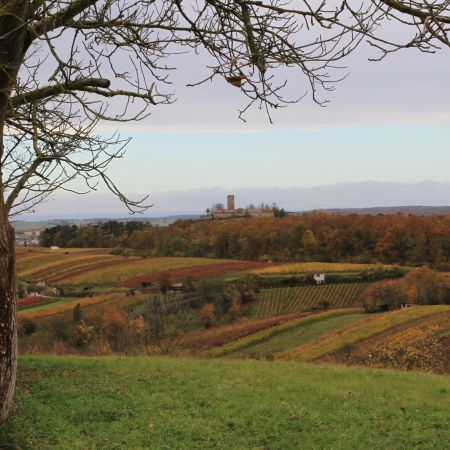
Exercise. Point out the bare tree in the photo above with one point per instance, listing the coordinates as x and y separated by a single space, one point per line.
428 23
66 66
166 317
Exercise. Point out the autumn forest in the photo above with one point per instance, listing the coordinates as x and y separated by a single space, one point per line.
398 239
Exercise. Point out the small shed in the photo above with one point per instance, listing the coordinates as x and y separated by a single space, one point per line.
319 278
408 305
176 287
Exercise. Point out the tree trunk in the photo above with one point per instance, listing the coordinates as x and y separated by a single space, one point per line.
8 302
14 41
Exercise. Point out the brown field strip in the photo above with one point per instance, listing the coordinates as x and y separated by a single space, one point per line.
200 271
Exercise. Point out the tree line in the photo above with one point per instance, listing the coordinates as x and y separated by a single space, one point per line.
398 239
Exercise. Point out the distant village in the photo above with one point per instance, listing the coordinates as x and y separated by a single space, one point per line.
28 238
218 211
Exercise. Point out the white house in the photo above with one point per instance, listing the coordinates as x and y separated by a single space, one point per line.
319 278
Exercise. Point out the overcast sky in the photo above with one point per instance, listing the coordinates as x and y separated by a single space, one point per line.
387 121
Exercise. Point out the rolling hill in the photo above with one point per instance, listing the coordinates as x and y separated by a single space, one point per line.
98 267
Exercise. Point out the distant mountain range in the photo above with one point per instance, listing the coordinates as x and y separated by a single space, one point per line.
343 197
22 225
390 210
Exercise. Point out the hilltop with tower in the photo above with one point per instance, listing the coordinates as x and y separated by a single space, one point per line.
218 211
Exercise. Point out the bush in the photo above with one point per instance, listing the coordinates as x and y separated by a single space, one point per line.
27 327
426 287
82 334
77 313
22 288
115 328
60 330
383 295
206 315
325 304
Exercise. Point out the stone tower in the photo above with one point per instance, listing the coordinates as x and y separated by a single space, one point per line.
230 202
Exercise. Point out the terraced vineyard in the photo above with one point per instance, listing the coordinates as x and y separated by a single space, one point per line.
307 330
399 347
293 299
305 267
351 336
60 306
97 267
297 336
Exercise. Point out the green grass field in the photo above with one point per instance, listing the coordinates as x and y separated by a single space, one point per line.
284 300
295 337
157 403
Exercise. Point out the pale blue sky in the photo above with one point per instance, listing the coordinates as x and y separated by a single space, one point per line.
387 121
177 161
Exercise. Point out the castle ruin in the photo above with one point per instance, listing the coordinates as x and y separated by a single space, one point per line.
218 212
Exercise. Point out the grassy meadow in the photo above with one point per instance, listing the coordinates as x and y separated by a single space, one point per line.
72 403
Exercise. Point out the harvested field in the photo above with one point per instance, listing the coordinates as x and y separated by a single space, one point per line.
202 271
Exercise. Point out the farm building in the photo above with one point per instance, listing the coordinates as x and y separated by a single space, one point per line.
408 305
319 278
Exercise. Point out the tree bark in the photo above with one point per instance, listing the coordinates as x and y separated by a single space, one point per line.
8 302
14 41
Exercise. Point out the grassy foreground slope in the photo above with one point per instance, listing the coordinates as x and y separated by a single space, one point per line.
158 403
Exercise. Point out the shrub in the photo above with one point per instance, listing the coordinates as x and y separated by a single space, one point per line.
60 330
426 286
383 295
325 304
82 334
77 313
27 327
115 326
22 288
59 348
206 315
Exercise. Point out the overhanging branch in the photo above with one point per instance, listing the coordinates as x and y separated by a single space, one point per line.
57 89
